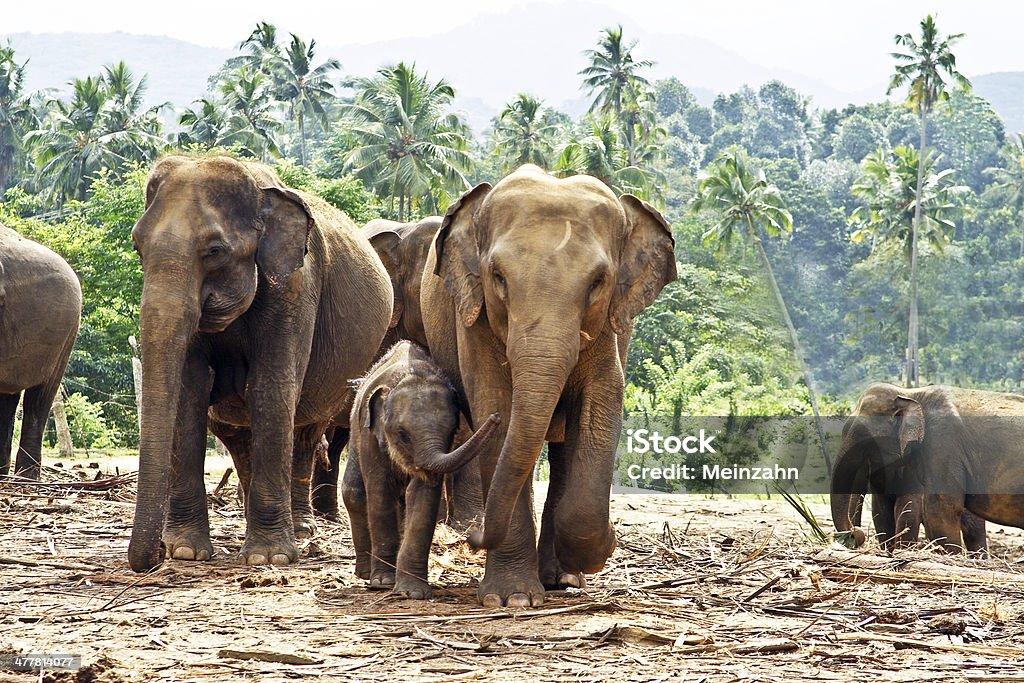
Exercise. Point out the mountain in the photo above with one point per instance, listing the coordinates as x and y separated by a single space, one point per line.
1005 90
177 70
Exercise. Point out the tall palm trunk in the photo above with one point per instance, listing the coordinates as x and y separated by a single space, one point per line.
912 367
302 138
797 348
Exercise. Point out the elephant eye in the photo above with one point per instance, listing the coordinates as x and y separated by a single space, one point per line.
598 281
499 278
403 436
215 250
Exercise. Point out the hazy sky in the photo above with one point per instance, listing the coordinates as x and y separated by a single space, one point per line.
844 43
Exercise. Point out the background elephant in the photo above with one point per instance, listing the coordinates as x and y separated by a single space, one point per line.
946 456
405 421
402 248
528 298
40 310
259 304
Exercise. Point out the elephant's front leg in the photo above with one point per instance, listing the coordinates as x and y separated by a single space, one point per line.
270 535
583 535
421 502
942 518
551 574
187 529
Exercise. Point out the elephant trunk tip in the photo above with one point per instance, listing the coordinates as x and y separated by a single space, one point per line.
853 538
143 559
486 539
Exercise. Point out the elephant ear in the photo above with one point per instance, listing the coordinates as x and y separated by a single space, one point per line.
375 405
647 263
911 416
458 256
287 222
386 243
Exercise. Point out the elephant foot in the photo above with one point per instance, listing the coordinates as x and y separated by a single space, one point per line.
362 565
554 578
381 580
413 587
188 544
511 588
262 551
304 523
584 554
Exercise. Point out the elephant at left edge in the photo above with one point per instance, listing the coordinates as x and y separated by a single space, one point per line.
260 303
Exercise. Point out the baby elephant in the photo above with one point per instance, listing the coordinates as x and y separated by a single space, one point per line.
405 420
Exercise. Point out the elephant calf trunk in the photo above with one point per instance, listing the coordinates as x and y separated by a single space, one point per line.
444 463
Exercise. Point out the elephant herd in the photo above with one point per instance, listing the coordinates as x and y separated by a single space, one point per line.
445 354
497 329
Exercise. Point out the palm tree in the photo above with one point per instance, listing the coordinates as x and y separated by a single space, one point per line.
407 145
523 133
1007 178
305 88
124 113
613 78
924 67
251 122
746 203
202 125
594 148
260 48
16 113
889 186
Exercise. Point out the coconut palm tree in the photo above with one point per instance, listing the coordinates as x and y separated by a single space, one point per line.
1007 178
745 203
125 113
408 146
524 133
613 77
889 186
251 121
306 89
594 147
16 114
924 66
203 125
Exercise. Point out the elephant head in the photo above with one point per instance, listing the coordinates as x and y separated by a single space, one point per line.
215 232
550 266
887 422
417 419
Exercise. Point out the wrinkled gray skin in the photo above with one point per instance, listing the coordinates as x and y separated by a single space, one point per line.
528 300
40 309
406 435
402 248
947 456
260 303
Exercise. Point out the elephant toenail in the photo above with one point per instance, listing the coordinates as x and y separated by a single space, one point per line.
203 556
491 600
518 600
256 558
183 553
279 559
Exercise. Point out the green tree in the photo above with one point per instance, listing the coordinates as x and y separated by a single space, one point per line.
100 126
745 202
924 66
1008 178
305 88
408 146
594 148
889 185
203 125
251 122
16 113
523 133
613 77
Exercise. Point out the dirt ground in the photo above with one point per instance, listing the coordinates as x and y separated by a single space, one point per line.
698 589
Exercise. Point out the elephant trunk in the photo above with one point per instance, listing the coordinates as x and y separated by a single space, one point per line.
540 370
168 321
849 484
436 461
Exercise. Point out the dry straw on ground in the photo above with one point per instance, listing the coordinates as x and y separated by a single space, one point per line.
699 589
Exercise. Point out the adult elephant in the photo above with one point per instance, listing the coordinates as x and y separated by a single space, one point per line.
259 303
40 309
528 299
947 456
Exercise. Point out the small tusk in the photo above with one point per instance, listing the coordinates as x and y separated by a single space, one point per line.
566 236
586 337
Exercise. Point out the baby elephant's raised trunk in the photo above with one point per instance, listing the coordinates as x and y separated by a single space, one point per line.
439 462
